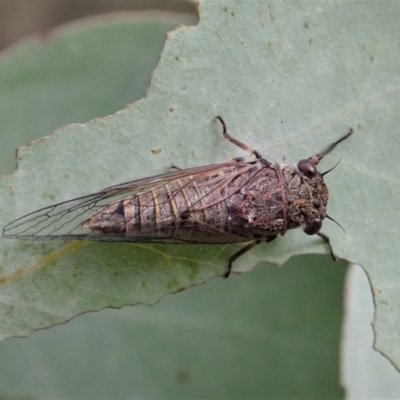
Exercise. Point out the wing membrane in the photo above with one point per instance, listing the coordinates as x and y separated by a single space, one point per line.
64 220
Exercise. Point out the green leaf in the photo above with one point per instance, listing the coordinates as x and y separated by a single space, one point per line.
288 78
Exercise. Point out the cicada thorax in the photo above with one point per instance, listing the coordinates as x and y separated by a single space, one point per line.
306 197
258 209
278 198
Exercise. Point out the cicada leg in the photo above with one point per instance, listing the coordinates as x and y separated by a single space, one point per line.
173 166
237 142
328 242
243 251
318 157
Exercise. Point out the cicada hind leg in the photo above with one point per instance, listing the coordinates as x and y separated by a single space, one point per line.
238 143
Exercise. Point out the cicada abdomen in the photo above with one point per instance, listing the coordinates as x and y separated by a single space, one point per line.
194 208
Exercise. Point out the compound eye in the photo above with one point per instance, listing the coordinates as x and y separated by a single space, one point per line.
314 227
307 168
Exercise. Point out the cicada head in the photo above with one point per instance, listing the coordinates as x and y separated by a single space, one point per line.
316 200
307 196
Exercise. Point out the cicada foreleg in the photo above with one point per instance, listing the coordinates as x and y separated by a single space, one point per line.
318 157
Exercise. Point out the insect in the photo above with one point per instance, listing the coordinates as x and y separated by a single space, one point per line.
236 201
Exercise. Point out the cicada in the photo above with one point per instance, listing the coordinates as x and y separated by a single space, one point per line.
236 201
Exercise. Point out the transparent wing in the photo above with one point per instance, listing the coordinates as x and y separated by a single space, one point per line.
64 220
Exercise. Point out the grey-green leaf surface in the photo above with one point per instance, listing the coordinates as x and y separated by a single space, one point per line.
288 79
